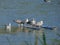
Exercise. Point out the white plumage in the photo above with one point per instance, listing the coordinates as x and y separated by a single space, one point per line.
40 23
8 27
26 20
33 21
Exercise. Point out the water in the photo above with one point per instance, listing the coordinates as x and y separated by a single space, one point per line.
22 9
22 38
15 39
38 9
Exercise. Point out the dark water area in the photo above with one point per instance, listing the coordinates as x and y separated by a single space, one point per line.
11 10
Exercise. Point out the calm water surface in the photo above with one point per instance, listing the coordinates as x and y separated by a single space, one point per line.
21 38
22 9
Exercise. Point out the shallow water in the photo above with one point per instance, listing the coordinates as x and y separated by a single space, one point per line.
24 38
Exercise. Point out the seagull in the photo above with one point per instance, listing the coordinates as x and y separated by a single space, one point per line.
27 21
33 21
39 23
18 21
8 27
